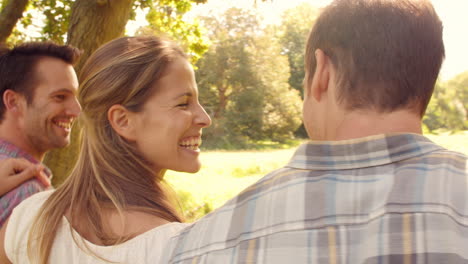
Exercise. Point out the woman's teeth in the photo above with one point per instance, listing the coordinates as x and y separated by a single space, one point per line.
65 125
191 143
192 147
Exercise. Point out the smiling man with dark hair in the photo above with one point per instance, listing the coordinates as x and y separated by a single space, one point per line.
38 86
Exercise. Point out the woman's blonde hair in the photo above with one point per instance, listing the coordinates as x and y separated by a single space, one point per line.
110 171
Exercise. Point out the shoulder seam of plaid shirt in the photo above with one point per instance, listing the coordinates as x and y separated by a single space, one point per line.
395 198
11 199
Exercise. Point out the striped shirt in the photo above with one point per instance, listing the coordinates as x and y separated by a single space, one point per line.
12 198
396 198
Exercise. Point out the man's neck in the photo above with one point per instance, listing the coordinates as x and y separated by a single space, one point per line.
11 135
359 124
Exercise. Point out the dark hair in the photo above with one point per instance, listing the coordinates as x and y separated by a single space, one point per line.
387 53
17 66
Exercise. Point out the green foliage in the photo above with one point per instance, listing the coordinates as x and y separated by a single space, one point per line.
448 108
166 17
57 15
190 208
243 83
17 36
49 18
282 105
294 30
460 84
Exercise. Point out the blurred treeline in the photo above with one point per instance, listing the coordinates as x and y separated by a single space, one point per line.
448 108
250 81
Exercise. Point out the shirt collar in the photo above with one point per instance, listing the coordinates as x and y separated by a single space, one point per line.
361 152
11 150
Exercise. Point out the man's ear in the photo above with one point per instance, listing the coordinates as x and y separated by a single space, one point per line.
121 121
12 100
321 78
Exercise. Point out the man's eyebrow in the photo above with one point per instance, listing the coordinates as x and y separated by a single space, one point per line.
65 90
188 94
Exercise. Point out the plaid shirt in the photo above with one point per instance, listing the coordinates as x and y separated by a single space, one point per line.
12 198
395 198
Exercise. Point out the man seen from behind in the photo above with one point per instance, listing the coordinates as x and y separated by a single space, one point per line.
368 187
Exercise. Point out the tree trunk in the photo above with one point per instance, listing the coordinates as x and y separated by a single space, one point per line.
9 16
95 22
223 99
92 23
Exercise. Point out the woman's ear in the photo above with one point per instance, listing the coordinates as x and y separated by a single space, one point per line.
120 120
321 76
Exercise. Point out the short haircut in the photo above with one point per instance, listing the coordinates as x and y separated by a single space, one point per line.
387 53
17 66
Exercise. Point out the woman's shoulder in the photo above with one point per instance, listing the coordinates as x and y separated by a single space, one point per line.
144 248
20 221
153 242
168 229
27 209
158 234
34 200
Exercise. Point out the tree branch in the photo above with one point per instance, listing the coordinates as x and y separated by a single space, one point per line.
9 16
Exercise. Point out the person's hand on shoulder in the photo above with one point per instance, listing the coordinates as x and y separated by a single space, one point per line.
14 171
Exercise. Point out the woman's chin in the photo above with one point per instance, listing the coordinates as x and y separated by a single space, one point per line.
190 169
195 170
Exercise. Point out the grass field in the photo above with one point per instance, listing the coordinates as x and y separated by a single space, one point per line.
457 142
226 173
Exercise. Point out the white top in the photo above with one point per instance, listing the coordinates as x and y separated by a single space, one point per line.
145 248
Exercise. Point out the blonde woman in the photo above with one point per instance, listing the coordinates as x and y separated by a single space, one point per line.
140 116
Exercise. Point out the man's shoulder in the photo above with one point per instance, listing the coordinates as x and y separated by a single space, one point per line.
442 156
275 179
15 197
4 155
232 222
451 153
36 198
10 150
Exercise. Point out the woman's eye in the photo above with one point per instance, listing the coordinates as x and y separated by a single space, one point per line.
182 105
60 97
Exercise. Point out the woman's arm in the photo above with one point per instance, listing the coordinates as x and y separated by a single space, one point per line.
3 256
14 171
